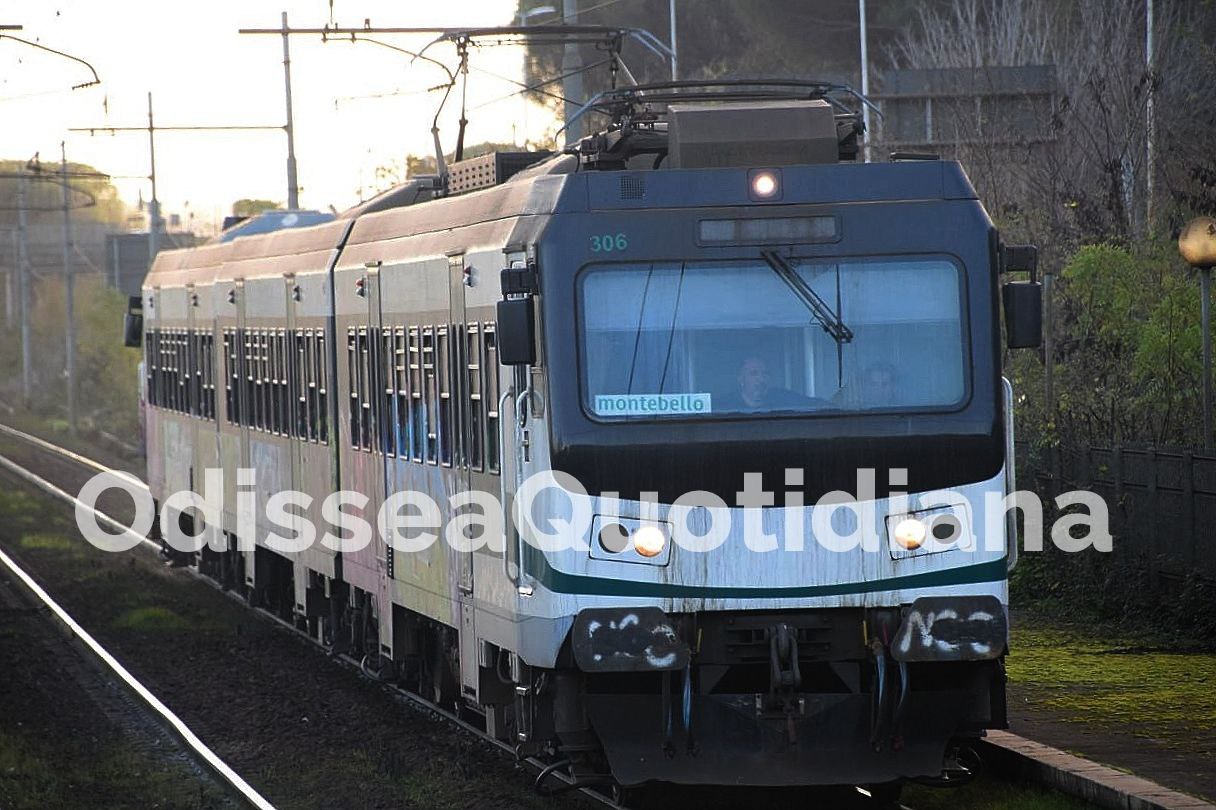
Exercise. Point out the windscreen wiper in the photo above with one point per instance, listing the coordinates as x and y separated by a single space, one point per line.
823 313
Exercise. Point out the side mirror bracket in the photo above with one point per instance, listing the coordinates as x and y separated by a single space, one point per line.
1022 300
516 314
133 322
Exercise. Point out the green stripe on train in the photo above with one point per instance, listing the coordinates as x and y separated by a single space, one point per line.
537 566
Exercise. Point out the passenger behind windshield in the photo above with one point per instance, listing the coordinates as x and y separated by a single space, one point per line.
757 392
878 386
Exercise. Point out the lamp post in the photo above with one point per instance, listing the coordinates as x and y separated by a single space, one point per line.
1197 244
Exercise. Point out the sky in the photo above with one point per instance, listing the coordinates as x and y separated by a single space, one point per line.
201 72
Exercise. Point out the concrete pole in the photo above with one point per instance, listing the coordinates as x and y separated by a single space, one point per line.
293 184
154 205
1150 124
572 85
865 73
23 293
69 302
674 69
1205 286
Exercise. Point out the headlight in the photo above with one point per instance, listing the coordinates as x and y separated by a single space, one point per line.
910 533
640 541
649 540
764 184
929 531
614 538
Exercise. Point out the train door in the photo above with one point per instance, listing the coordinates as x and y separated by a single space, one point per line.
458 364
192 368
244 402
371 363
292 368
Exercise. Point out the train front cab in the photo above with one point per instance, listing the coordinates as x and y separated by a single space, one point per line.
799 664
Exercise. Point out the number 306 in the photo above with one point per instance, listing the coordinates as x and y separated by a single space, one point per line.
608 243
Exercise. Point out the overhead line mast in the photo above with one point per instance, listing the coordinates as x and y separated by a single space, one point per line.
152 128
609 38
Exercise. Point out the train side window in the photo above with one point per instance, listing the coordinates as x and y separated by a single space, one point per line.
169 347
234 376
457 364
352 364
212 386
322 377
300 368
259 380
431 401
251 381
177 371
264 380
367 395
277 378
253 390
185 344
201 337
195 388
399 391
203 376
232 379
167 361
207 375
417 406
246 372
282 405
493 448
388 399
190 348
149 365
205 383
272 381
443 362
291 382
267 381
147 370
476 402
166 367
304 370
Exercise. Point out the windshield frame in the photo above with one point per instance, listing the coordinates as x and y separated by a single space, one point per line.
796 258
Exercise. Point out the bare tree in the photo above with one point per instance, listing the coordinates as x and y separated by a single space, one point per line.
1089 181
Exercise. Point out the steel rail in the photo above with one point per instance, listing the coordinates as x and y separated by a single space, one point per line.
54 448
227 776
411 697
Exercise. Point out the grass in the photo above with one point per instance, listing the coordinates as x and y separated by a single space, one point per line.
48 542
40 773
1114 683
150 618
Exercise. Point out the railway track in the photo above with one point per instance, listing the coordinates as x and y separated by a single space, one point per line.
538 766
22 591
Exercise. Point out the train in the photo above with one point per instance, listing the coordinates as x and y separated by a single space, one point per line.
676 343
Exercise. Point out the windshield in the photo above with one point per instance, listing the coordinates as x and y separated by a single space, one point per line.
709 339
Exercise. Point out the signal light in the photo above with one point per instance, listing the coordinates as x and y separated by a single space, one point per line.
764 184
